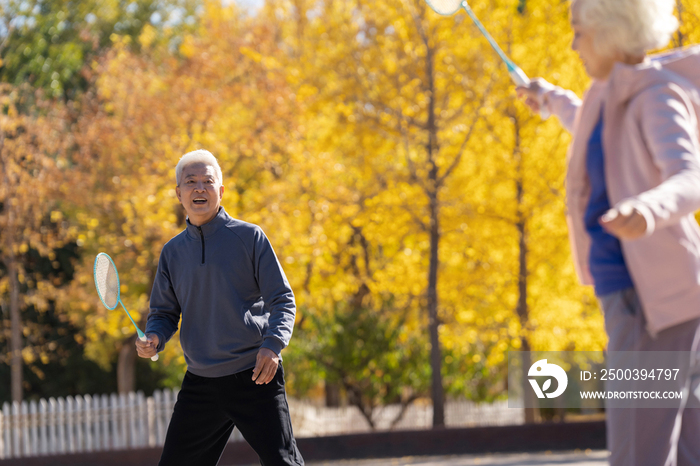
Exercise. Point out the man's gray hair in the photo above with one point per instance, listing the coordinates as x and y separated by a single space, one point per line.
632 27
198 156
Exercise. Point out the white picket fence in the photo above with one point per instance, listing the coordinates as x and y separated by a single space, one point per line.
86 423
97 423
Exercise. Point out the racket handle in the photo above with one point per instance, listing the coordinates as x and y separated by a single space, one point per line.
144 338
519 77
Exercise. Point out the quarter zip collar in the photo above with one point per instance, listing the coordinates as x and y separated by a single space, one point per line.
209 228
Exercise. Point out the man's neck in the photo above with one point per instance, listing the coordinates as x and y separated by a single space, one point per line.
200 223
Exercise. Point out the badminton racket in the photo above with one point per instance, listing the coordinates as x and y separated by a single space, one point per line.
450 7
107 284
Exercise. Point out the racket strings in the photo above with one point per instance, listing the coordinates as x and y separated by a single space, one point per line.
444 7
107 281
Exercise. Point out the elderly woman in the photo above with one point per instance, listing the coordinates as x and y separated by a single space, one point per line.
633 185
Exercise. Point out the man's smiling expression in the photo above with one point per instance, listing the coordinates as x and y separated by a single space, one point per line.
200 192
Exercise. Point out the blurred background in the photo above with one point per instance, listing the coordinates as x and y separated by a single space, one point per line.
416 205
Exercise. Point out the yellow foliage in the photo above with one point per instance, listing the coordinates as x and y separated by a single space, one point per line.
187 48
147 36
370 124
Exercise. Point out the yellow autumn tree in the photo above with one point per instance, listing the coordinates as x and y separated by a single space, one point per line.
416 205
448 193
33 144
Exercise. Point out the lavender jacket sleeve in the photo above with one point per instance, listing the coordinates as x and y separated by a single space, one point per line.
560 102
669 125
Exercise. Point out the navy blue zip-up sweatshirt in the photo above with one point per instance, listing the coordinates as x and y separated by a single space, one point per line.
225 281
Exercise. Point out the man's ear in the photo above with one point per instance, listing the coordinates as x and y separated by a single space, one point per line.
177 191
221 192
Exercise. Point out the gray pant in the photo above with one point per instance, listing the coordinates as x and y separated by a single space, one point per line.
650 436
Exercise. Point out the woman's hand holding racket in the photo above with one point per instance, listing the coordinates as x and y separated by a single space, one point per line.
533 93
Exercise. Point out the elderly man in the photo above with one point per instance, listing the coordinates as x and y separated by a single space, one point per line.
222 277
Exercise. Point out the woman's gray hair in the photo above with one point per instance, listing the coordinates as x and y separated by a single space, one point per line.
632 27
198 156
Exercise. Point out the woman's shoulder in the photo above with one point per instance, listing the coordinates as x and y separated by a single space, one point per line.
670 89
651 84
682 64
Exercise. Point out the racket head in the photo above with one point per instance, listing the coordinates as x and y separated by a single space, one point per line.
445 7
106 280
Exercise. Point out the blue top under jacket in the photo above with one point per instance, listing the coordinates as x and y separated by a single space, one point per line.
606 261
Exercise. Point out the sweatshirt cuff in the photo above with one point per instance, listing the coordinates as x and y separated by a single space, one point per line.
273 344
161 340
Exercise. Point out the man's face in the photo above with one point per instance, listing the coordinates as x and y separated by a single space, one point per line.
200 193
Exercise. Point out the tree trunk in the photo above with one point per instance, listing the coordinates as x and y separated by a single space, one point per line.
433 191
11 265
332 391
16 328
126 366
531 414
522 308
529 398
528 395
438 394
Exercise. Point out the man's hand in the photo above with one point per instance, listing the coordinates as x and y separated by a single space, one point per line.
147 349
624 223
265 366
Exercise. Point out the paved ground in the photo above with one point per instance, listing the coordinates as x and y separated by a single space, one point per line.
587 458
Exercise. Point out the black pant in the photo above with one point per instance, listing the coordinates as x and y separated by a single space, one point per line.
207 409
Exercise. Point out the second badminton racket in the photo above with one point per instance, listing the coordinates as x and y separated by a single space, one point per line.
450 7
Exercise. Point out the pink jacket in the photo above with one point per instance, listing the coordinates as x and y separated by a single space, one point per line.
652 160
